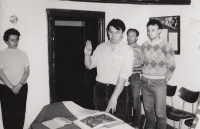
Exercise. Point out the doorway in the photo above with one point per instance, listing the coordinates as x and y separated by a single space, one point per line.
68 31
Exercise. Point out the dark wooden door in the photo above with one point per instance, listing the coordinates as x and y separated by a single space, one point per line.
69 63
69 79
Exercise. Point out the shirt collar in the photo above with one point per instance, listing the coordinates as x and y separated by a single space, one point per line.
135 45
120 44
155 42
8 49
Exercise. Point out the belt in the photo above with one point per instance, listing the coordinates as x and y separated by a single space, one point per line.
105 84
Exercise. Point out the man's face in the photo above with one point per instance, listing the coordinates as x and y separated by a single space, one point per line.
12 41
132 37
153 32
115 35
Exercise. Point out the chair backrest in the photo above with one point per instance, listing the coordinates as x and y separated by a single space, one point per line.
188 95
171 90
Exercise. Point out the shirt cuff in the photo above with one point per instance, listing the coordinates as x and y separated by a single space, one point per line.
92 66
124 76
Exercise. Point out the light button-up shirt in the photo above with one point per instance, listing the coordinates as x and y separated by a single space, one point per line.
112 64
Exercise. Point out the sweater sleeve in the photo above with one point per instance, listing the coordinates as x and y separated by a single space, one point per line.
170 60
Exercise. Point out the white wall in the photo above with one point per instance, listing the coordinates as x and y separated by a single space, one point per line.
33 27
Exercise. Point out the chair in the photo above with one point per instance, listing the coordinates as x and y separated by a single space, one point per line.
171 90
178 114
189 122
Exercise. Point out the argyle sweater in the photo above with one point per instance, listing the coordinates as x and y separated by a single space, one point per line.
159 59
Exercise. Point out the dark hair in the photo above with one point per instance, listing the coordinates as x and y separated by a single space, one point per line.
117 24
133 30
9 32
154 22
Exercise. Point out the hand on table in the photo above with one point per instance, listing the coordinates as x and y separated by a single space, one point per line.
112 104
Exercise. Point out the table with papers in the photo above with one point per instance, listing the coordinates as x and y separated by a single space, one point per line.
69 110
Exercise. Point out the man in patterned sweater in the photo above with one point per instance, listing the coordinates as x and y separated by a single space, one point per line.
159 66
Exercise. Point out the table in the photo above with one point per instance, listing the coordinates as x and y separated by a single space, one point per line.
59 109
51 111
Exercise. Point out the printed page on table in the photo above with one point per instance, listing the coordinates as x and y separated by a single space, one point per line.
97 120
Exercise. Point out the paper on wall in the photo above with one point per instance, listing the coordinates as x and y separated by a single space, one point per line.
164 35
173 39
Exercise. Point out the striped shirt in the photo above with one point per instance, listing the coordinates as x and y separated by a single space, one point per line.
112 64
159 60
137 56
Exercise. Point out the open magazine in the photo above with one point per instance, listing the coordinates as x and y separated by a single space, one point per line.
97 120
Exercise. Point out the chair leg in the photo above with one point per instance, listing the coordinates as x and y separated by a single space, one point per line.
174 124
144 123
180 123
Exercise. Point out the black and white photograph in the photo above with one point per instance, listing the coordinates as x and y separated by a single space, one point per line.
136 60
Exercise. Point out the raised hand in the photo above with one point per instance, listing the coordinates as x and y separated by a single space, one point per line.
88 48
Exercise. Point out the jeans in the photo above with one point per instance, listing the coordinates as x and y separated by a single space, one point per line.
154 97
134 91
13 107
102 94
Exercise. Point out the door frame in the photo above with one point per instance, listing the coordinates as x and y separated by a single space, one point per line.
51 14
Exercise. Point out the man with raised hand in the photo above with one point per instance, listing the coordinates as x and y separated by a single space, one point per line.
113 60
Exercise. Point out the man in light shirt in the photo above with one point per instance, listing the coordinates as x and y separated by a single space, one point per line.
114 61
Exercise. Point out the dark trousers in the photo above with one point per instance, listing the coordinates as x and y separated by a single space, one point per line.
102 94
13 107
134 91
